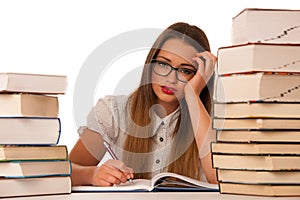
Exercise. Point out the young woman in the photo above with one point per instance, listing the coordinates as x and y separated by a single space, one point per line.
164 125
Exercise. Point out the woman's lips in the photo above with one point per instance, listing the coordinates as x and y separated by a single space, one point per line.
168 90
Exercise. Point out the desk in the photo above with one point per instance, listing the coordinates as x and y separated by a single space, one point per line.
151 196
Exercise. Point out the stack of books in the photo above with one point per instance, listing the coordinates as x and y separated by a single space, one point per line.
31 161
257 105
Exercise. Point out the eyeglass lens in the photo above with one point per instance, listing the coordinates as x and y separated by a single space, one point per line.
164 69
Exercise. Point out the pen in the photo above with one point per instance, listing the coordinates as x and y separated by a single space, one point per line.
113 155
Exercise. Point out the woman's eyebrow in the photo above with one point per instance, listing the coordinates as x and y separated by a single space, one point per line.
188 65
167 59
182 64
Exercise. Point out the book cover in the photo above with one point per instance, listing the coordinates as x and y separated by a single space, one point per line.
266 25
257 110
28 105
284 190
267 136
256 124
259 57
11 187
258 87
17 153
36 168
29 130
256 162
256 148
258 177
33 83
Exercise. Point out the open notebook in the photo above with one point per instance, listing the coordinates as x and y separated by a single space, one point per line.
160 182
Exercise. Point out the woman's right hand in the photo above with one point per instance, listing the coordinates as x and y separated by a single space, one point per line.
112 172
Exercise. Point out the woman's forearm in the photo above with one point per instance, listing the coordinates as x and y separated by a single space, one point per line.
82 175
202 127
200 119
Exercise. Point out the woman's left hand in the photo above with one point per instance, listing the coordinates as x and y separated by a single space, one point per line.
206 65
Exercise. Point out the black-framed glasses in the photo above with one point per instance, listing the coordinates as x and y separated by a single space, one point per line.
163 68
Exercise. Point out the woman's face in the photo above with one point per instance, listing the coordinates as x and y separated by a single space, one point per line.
168 88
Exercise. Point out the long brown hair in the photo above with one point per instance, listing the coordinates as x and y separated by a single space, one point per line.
139 138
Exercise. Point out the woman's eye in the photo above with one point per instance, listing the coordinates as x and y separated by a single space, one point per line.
164 65
186 71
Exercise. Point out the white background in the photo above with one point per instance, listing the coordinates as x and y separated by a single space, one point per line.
57 36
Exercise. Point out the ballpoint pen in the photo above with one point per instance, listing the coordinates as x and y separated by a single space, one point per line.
113 155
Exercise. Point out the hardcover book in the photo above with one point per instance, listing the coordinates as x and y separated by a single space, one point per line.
266 25
259 57
276 190
259 177
11 187
29 130
267 136
36 168
256 110
256 162
256 124
28 105
258 87
16 153
33 83
256 148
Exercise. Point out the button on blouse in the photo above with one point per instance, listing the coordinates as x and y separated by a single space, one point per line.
109 118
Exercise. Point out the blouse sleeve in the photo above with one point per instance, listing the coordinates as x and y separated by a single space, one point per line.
103 118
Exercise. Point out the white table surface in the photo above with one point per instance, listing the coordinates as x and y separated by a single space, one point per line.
151 196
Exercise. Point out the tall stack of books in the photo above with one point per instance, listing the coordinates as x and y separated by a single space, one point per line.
31 161
257 105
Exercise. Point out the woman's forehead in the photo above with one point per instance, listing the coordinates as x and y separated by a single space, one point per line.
179 48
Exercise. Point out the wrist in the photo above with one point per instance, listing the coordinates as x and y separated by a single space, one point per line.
82 175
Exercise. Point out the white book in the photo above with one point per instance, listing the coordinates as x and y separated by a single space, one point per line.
256 110
160 182
270 136
256 123
29 130
28 105
18 187
272 190
266 25
256 162
33 83
35 168
259 177
259 57
258 87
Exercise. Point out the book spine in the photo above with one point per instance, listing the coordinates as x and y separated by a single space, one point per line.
3 82
59 131
42 174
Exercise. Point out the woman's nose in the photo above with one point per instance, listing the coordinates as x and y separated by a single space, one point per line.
172 77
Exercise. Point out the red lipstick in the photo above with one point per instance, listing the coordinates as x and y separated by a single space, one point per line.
168 90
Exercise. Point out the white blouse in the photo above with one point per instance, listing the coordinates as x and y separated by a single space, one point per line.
109 118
